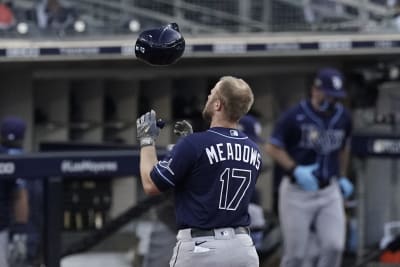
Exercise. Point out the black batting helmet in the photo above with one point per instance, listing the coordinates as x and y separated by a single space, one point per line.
160 46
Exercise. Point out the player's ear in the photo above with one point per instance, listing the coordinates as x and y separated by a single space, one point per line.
218 104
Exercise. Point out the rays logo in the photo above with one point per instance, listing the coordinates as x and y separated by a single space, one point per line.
321 142
166 165
337 82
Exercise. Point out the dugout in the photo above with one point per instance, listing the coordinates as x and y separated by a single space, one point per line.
55 169
93 90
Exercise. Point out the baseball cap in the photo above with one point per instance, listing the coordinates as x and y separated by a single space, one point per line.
249 125
12 128
330 81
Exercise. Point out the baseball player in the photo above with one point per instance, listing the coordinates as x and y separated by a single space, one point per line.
311 143
13 200
213 175
163 234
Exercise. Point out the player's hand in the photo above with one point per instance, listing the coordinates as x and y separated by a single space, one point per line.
305 178
146 129
346 187
183 128
17 249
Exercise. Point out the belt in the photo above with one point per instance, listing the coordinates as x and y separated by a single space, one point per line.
195 232
321 183
325 183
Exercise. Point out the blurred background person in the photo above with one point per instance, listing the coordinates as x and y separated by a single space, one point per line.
311 142
7 16
55 15
13 200
26 228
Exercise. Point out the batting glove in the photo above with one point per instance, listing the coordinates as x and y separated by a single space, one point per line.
183 128
146 129
303 174
346 186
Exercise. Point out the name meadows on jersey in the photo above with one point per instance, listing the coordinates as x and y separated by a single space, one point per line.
237 152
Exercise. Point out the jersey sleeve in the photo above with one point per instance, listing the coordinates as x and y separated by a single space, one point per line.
172 169
280 131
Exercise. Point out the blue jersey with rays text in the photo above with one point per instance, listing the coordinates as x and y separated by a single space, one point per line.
313 137
213 174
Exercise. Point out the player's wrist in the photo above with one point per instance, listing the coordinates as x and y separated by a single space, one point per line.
346 186
290 173
147 141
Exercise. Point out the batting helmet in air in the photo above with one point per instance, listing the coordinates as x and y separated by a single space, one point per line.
160 46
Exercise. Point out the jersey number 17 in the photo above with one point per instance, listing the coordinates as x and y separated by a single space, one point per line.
237 180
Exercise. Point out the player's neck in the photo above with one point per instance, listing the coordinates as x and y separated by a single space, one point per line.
218 122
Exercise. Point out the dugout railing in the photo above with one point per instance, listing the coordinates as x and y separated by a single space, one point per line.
53 168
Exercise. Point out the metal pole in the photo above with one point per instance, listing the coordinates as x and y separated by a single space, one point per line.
363 13
244 13
53 221
360 196
267 18
179 13
394 169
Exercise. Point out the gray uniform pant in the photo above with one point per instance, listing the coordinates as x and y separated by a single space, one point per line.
3 248
224 249
298 210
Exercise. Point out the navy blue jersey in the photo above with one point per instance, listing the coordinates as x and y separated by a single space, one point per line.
213 174
309 136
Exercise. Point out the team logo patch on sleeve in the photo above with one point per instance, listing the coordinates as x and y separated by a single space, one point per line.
165 165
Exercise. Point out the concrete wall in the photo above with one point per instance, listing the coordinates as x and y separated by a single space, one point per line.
16 98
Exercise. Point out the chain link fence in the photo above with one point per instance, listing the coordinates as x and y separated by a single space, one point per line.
110 17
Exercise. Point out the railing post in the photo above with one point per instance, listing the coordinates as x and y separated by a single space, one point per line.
53 203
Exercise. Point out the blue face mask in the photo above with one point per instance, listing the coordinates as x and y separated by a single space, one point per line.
326 106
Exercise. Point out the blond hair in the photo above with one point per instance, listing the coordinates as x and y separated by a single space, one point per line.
236 96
